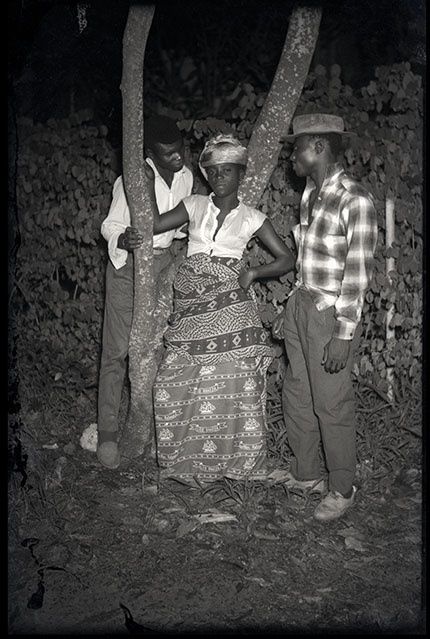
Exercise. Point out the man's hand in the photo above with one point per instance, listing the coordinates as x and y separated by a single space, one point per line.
278 326
129 240
246 278
335 354
149 171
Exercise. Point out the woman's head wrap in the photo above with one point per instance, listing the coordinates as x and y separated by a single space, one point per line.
224 148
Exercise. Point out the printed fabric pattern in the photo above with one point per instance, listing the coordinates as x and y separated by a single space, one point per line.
210 390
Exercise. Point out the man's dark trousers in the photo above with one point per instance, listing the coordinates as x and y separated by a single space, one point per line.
116 334
318 406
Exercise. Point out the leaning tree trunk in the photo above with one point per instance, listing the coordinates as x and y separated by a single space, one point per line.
142 364
281 102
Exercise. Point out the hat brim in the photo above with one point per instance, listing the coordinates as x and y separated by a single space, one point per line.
293 136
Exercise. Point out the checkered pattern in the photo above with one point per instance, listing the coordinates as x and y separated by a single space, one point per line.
336 243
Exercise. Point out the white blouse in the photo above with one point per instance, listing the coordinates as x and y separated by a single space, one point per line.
233 236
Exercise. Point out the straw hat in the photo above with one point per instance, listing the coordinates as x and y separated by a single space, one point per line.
315 123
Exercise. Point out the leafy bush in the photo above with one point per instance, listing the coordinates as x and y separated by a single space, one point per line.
65 176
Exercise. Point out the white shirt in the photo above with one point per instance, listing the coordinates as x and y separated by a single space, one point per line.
233 236
119 214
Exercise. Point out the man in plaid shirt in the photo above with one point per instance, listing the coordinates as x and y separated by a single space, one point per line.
336 240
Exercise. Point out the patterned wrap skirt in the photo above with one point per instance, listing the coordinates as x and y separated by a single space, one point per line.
210 389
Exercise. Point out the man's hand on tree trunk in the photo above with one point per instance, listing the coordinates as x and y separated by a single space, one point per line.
129 240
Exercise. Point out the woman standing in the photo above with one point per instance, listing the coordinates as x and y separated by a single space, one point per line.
210 390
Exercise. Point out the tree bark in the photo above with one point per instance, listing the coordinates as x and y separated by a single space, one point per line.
279 107
142 365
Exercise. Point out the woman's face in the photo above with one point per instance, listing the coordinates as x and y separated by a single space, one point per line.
224 179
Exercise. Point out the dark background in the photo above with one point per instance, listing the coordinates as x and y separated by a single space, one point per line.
54 68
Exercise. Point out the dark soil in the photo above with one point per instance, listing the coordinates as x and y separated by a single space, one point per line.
95 551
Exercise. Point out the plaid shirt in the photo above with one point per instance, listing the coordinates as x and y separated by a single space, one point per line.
336 246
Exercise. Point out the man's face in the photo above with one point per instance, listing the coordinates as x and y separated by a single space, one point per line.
224 178
168 156
304 156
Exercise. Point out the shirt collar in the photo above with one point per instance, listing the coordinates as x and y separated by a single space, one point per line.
211 197
332 173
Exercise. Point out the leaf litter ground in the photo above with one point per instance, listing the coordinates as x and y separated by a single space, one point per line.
94 551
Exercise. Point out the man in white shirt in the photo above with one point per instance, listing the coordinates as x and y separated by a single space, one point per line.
173 181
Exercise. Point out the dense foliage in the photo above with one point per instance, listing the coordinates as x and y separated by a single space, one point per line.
66 169
65 175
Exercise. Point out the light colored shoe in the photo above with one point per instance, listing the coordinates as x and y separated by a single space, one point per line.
108 454
312 485
333 505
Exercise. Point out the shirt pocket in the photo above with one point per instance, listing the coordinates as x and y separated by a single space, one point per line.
330 246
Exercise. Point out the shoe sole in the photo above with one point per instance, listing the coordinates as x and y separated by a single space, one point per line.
312 488
110 466
279 476
332 518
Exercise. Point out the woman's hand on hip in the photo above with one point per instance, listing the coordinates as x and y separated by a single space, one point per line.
246 278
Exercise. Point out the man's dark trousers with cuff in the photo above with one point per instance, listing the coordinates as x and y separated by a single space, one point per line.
318 406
